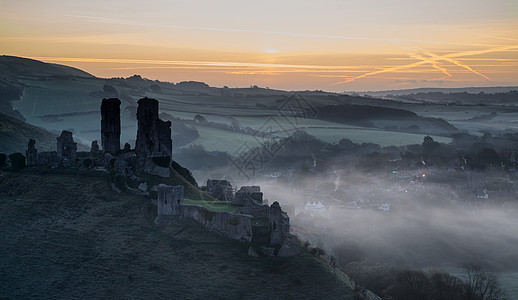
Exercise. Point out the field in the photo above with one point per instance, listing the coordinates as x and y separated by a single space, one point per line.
73 104
215 206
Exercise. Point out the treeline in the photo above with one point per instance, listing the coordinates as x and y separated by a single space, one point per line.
465 98
432 285
305 152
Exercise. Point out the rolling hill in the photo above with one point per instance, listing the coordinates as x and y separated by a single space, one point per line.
68 235
13 66
15 134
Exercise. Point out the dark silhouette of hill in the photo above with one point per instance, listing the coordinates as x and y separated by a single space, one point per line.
67 234
12 66
364 115
470 90
357 113
15 134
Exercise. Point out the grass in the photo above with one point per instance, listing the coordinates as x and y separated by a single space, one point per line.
215 206
15 135
67 236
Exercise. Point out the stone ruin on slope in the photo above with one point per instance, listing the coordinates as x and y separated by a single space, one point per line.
220 189
252 220
153 134
31 153
110 125
153 141
66 147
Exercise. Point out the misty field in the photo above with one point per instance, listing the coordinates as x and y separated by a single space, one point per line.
73 104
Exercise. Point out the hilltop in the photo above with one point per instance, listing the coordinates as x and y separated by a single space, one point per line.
11 66
234 116
67 234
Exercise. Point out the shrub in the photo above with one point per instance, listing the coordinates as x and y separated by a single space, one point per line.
120 182
161 161
17 161
88 163
3 158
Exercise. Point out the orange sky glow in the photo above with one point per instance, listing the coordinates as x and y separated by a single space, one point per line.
332 45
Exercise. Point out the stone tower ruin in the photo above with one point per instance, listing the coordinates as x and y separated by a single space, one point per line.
66 147
110 125
153 134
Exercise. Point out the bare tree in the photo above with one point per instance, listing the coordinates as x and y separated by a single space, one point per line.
481 285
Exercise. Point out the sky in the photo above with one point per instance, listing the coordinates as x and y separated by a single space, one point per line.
331 45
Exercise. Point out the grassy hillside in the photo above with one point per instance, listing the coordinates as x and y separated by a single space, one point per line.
15 135
71 236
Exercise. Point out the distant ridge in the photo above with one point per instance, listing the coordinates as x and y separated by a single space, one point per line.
13 66
471 90
15 135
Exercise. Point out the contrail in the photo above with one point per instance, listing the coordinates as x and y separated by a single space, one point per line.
391 69
456 62
447 57
162 64
297 34
434 63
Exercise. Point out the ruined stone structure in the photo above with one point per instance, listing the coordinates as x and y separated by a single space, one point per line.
164 138
170 206
251 221
31 153
234 226
110 125
279 223
247 194
66 147
153 134
249 200
220 189
50 159
170 198
94 148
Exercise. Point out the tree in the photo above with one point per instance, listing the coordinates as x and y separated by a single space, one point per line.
429 145
481 285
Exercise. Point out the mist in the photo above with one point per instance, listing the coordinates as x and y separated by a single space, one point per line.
428 225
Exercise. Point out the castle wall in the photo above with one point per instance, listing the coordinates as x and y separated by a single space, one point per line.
234 226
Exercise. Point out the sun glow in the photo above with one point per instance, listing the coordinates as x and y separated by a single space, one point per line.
325 45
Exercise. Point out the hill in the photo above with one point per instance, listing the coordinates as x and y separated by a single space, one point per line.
12 66
68 235
15 134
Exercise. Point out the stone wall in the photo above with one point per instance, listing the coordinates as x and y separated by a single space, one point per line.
279 223
66 147
220 189
257 211
247 193
31 153
151 168
234 226
170 198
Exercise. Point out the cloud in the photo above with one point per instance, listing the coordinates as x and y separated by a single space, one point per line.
287 33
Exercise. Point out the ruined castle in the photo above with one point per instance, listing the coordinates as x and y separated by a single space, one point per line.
252 220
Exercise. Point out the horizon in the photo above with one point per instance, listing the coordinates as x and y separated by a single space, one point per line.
288 46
